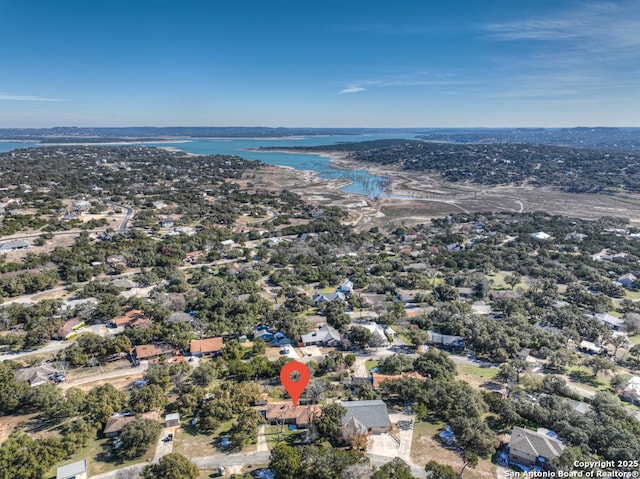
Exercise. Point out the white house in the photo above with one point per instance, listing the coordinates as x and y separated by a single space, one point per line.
541 235
632 391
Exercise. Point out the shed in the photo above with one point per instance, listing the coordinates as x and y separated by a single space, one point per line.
172 420
75 470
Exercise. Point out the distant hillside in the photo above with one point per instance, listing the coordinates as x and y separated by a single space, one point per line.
570 169
132 133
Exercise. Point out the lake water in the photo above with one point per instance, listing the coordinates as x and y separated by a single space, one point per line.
362 182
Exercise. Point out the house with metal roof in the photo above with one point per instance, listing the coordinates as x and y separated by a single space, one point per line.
616 324
530 447
373 415
75 470
13 245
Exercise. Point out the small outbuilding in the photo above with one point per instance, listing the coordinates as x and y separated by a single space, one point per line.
172 420
75 470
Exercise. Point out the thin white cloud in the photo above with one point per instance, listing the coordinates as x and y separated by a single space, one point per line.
351 89
610 28
10 97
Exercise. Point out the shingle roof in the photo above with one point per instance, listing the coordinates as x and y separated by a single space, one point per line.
116 423
373 414
534 443
322 335
203 346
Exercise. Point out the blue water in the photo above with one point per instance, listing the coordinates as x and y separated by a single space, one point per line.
362 182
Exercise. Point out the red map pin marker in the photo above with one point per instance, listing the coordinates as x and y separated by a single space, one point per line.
297 386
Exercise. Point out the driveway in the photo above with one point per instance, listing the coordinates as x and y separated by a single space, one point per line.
164 447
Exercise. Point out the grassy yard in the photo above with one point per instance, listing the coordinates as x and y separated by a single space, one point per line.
99 458
191 443
476 371
271 435
633 340
371 363
498 279
584 376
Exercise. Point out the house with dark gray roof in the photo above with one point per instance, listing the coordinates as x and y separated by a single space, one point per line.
328 297
372 415
529 447
614 323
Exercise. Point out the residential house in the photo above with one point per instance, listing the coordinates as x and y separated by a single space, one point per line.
540 235
616 324
166 223
206 347
129 318
627 280
446 341
35 376
346 288
116 260
382 333
194 256
326 336
354 383
70 328
590 348
227 243
377 379
285 413
529 448
116 423
373 415
82 205
264 332
75 470
632 390
495 295
328 297
150 351
13 245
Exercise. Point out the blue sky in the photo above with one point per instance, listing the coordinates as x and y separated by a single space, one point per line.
409 63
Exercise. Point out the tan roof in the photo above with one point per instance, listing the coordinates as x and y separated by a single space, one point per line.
68 327
128 317
302 415
379 378
203 346
144 351
116 423
195 254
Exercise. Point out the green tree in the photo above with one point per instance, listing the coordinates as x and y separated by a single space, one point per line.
396 469
436 470
329 424
285 461
172 466
137 437
470 459
148 398
102 402
360 337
